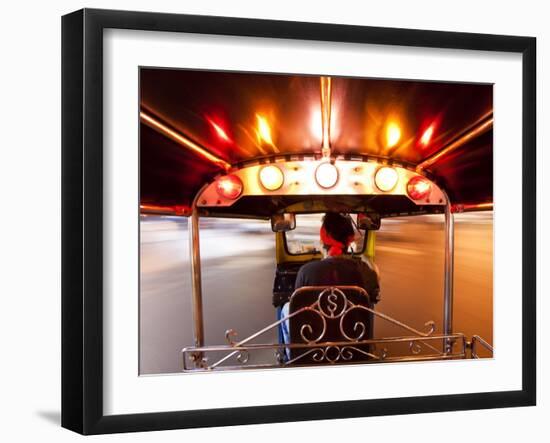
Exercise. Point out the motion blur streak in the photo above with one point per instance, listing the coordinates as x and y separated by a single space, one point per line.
264 132
474 132
182 140
238 266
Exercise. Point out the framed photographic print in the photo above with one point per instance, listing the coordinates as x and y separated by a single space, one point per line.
269 221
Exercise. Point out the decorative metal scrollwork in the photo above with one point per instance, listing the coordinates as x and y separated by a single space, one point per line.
347 353
243 356
359 327
307 328
331 311
332 354
279 356
415 348
336 303
230 333
431 325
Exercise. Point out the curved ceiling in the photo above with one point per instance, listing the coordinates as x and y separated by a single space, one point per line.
241 116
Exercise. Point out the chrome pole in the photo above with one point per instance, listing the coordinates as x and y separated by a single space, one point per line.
484 125
194 246
449 275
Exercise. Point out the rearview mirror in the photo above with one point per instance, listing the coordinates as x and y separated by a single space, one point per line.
368 221
283 222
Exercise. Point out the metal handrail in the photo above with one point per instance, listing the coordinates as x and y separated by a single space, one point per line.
242 352
473 345
337 307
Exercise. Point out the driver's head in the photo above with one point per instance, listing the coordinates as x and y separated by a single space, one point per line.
336 232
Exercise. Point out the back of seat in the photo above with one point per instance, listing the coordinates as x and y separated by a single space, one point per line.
323 316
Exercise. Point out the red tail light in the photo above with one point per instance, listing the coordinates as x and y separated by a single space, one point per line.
230 187
419 188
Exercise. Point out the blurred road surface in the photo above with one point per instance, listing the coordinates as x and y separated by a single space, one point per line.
238 266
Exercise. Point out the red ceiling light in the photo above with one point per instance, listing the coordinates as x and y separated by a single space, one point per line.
230 187
427 135
419 187
219 131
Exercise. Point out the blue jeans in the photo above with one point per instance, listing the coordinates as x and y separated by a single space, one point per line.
284 331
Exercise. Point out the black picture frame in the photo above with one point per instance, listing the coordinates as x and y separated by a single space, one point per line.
82 218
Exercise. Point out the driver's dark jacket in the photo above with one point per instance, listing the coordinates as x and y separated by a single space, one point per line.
339 271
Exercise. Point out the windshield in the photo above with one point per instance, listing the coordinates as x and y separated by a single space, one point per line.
305 238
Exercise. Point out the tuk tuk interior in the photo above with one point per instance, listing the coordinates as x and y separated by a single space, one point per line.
332 325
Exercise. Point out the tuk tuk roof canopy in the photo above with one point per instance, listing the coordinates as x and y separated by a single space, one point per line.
196 125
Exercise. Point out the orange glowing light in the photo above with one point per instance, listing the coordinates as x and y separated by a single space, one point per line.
326 175
427 136
393 134
316 124
219 131
271 177
264 131
386 178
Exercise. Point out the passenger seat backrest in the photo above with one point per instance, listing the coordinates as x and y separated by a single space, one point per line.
320 322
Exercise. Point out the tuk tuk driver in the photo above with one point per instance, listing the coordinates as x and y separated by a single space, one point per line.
335 269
